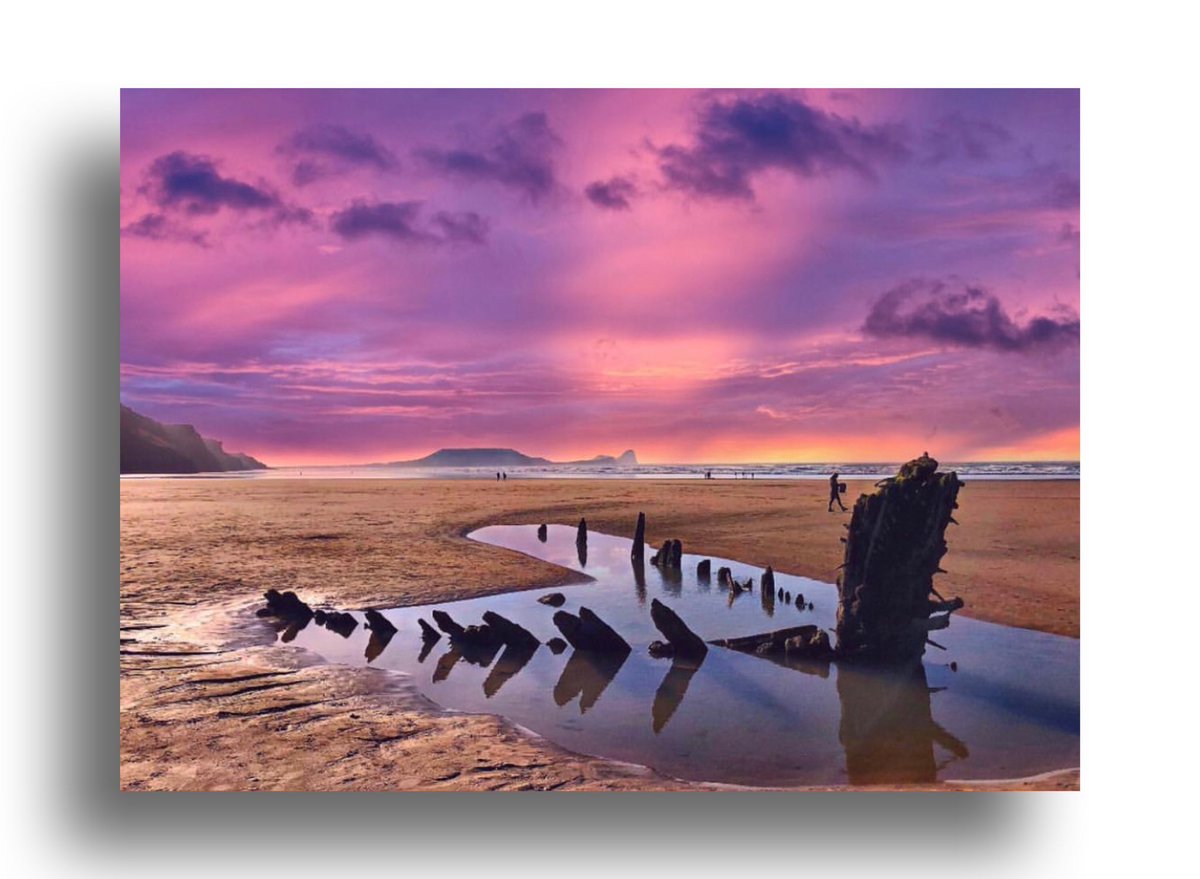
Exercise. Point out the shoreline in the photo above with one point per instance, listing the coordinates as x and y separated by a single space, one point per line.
205 707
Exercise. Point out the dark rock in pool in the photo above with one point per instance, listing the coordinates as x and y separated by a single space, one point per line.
514 635
428 633
581 532
556 645
704 569
343 624
380 625
588 632
800 602
285 605
446 623
542 533
319 617
682 640
483 636
768 580
669 557
554 599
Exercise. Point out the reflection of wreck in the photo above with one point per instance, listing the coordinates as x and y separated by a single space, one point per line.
673 688
887 607
382 632
514 658
586 675
887 725
479 644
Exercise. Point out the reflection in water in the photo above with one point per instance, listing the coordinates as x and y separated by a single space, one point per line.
673 688
1018 708
672 580
514 658
766 592
446 664
585 675
639 579
887 726
426 649
294 628
581 549
377 643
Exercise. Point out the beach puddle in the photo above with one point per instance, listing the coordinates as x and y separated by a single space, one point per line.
1010 710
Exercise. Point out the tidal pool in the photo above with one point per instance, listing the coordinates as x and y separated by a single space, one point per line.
1010 710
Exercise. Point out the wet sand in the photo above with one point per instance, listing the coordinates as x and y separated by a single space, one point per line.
207 702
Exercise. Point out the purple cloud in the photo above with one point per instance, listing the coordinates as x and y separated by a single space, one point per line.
956 136
967 316
192 184
739 138
612 194
520 158
400 221
157 227
466 227
395 220
324 150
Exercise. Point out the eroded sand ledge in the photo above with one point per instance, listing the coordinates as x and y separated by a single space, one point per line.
207 702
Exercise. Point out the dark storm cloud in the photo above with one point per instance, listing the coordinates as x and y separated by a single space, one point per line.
739 138
520 158
192 184
959 314
613 194
401 221
157 227
325 150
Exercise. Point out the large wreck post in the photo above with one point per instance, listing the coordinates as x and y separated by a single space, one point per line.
638 551
886 598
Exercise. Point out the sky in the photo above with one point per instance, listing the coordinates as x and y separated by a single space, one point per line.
329 277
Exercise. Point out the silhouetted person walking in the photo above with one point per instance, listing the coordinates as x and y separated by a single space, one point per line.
835 494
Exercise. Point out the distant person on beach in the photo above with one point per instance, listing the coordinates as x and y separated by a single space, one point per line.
835 493
505 475
497 476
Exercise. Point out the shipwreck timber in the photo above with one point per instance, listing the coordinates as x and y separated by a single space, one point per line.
887 604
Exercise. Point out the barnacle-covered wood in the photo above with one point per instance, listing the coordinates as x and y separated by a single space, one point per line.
886 604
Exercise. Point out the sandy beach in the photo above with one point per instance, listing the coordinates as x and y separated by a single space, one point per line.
209 702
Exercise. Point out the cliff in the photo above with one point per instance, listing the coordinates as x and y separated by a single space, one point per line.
149 446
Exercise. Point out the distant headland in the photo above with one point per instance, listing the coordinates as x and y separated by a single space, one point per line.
509 458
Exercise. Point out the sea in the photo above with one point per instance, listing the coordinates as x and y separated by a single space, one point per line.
998 470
